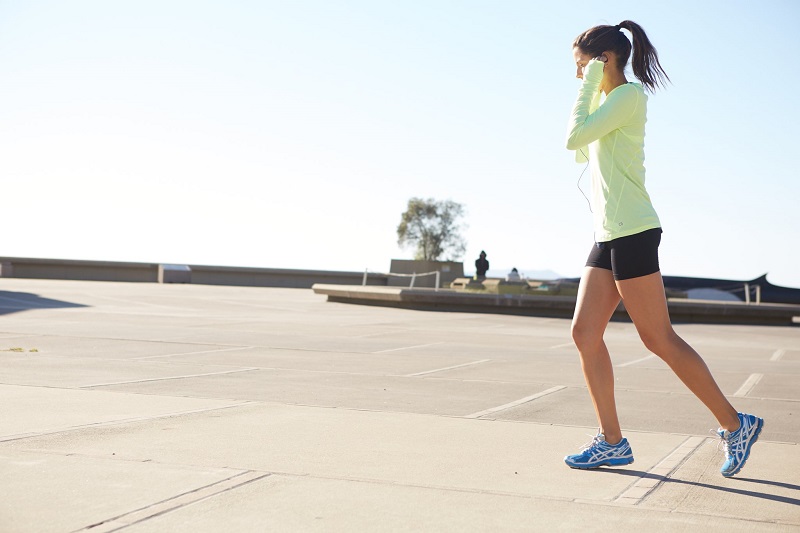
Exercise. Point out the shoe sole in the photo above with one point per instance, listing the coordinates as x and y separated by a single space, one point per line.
607 462
747 452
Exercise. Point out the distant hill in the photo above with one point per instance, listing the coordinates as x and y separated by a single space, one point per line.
527 273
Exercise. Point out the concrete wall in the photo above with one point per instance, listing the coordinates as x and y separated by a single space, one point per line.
66 269
80 270
277 277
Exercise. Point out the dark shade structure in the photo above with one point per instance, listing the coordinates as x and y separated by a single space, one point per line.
769 293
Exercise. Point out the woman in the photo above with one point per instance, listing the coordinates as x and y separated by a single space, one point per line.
624 261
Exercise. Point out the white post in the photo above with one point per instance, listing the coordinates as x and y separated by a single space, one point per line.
438 277
364 282
747 293
758 294
413 277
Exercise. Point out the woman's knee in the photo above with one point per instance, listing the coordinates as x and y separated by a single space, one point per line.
661 342
585 336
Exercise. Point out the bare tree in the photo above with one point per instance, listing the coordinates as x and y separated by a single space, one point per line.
434 228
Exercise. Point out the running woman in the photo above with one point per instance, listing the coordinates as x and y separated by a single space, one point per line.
623 263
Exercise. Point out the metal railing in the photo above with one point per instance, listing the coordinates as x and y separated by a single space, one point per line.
413 277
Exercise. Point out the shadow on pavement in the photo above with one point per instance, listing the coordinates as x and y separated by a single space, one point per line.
751 493
13 302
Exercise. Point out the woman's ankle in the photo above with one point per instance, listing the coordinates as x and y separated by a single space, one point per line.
732 425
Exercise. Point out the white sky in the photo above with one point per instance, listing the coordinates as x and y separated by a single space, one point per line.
291 134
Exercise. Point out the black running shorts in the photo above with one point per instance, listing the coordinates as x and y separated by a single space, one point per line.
628 257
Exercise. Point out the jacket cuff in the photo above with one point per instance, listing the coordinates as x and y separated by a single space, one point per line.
593 73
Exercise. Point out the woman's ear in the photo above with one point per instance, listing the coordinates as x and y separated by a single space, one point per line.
610 57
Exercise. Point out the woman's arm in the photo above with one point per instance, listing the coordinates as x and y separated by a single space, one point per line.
586 127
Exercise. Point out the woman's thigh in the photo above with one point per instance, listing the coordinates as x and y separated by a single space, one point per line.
598 297
646 304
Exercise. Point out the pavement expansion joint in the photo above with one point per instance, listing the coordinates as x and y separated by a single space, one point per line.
408 347
428 486
126 339
20 436
661 472
8 335
168 378
123 521
426 372
635 361
790 400
515 403
220 350
565 345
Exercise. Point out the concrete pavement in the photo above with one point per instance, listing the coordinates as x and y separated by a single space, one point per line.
145 407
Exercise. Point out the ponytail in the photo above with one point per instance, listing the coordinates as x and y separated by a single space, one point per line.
646 66
645 58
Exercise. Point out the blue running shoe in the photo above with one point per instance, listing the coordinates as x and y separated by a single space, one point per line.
738 443
599 452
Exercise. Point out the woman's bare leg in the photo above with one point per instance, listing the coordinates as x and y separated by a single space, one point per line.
646 304
597 300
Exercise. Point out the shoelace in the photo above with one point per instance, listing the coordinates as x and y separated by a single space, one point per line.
725 442
596 440
722 442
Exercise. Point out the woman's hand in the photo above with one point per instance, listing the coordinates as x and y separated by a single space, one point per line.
594 69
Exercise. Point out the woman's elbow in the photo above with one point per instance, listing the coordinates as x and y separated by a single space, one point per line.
572 143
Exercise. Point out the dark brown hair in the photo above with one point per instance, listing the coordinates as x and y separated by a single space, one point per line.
646 67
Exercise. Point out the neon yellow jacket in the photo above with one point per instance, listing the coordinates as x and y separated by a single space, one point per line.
611 135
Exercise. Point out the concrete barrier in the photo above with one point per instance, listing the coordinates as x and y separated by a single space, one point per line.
174 274
68 269
278 277
6 270
680 310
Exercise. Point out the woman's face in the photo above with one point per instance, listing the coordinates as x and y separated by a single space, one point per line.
581 60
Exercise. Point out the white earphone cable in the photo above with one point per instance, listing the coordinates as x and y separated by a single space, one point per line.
581 177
